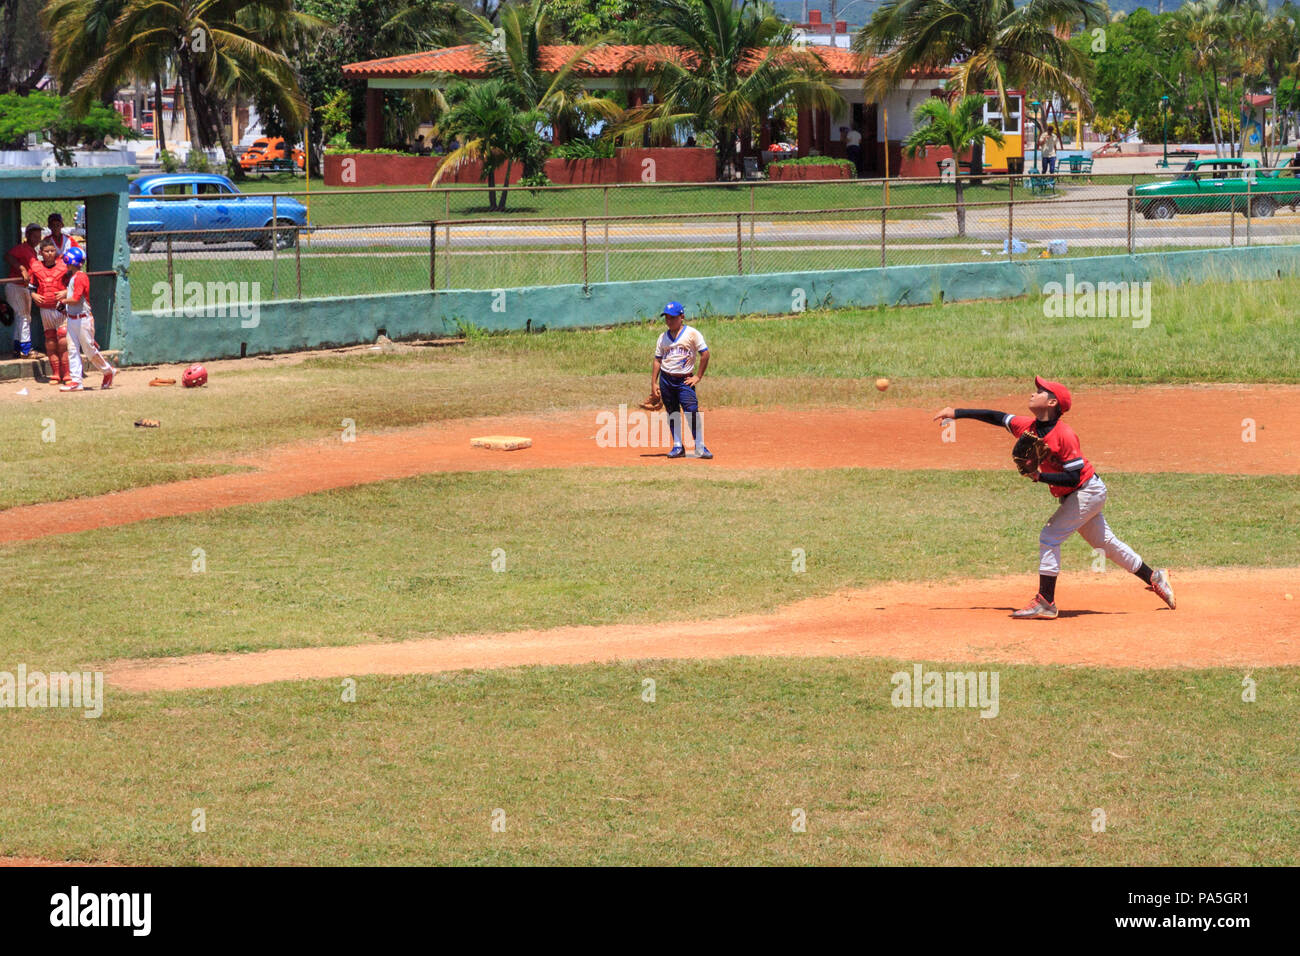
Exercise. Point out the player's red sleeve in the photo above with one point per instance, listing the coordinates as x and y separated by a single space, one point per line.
80 286
1019 424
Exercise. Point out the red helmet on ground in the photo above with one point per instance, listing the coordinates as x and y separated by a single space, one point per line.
194 376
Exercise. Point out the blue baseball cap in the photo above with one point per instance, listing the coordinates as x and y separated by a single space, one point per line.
674 308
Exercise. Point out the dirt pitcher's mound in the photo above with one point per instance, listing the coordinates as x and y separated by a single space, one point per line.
1224 618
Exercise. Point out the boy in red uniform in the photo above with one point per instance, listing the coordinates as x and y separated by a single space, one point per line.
47 290
1073 482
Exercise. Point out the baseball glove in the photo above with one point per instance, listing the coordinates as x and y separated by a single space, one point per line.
158 382
1027 452
147 423
653 404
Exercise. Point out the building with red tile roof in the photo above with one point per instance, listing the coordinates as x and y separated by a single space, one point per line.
623 66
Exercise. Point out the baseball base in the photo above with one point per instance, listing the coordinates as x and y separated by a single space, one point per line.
501 442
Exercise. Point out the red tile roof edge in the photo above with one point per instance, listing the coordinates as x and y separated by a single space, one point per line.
611 60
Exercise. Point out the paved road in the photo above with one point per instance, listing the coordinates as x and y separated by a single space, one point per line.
1034 226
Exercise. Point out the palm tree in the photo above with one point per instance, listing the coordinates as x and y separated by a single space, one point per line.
1199 24
492 130
990 45
216 46
959 127
514 56
726 63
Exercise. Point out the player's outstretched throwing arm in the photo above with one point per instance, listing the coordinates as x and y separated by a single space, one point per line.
1032 453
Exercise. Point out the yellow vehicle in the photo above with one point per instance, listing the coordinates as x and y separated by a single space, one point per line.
1010 156
270 152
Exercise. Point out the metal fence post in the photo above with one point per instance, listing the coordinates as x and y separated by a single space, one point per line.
1011 225
1232 224
171 276
1249 211
275 246
1129 217
606 192
740 244
446 256
297 262
446 197
882 237
585 284
433 255
751 228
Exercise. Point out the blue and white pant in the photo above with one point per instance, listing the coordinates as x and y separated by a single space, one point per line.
680 401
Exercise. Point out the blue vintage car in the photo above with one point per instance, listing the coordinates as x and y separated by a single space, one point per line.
183 203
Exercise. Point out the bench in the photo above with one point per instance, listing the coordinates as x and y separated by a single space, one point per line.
1182 155
1042 185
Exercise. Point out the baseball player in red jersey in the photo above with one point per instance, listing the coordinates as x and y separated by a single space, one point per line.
1080 494
47 290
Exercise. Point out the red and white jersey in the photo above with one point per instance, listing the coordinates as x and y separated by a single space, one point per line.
63 243
677 355
25 254
78 288
1064 452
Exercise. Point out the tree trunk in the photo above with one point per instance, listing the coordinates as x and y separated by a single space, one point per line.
505 186
961 207
8 32
187 92
492 187
159 133
235 171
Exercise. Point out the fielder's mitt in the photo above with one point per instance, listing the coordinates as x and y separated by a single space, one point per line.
1027 452
158 382
147 423
653 404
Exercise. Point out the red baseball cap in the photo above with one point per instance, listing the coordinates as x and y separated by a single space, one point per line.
1059 391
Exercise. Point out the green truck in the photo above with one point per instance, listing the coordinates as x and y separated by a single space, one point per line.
1218 185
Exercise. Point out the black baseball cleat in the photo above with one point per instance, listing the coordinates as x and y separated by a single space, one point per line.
677 452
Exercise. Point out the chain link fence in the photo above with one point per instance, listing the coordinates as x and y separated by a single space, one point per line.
404 240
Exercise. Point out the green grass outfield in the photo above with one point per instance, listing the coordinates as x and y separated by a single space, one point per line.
412 558
586 772
1218 332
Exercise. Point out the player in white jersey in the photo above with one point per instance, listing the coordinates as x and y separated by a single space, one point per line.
75 300
674 375
62 240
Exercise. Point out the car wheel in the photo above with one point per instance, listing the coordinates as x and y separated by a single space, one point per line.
1261 207
139 242
286 237
1162 210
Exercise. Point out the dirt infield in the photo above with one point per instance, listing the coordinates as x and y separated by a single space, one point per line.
1224 618
1160 429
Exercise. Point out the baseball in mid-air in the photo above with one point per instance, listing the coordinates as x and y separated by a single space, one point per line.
882 384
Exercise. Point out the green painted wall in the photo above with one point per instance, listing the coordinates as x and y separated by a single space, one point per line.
148 338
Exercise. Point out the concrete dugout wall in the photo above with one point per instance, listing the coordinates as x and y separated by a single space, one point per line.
148 338
103 190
